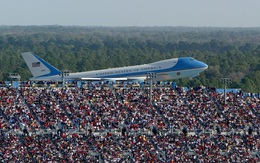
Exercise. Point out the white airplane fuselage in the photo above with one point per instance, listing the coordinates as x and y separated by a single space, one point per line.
159 71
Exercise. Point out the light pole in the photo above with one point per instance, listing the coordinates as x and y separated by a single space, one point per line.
63 74
225 81
150 76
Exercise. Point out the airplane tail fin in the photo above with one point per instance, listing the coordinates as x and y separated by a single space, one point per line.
38 66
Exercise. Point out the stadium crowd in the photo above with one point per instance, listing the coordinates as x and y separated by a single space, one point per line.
105 123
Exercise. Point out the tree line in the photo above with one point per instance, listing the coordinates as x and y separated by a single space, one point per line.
229 52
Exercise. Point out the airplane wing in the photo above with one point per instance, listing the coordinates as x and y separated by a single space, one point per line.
97 79
116 79
91 79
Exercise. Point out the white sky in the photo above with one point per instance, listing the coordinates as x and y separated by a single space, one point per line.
199 13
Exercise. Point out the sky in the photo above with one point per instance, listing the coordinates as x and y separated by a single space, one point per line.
194 13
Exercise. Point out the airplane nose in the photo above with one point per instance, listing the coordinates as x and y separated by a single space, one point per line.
205 65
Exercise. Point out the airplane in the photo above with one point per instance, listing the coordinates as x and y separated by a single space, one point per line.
163 70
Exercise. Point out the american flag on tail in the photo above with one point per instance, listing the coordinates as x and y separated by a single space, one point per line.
36 64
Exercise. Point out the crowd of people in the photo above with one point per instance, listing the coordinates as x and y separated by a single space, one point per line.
123 123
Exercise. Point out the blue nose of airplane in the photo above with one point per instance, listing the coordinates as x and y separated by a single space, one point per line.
204 65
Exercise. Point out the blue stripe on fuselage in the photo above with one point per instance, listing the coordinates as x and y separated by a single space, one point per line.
184 63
